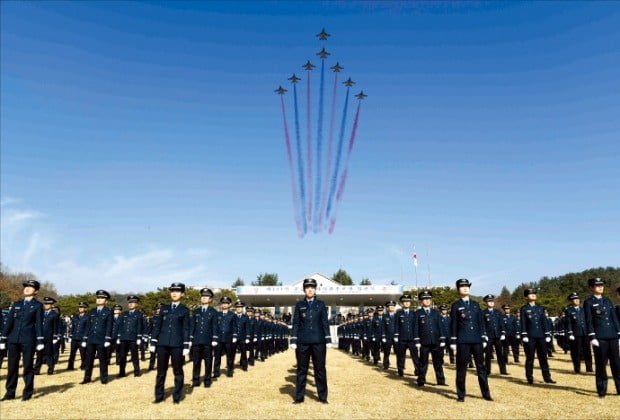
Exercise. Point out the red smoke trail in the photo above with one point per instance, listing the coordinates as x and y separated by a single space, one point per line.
292 170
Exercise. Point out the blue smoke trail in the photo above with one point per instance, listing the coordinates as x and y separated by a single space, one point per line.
300 164
332 190
319 151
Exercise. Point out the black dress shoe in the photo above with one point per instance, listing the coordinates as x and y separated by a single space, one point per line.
460 399
195 384
138 373
157 400
488 398
207 384
26 397
400 373
8 397
550 381
530 381
324 401
104 381
176 401
299 401
122 375
85 381
442 384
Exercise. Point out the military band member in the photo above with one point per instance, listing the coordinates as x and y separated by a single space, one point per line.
51 336
97 338
575 327
22 335
76 333
170 335
535 335
310 337
403 336
227 338
377 333
129 336
468 338
429 338
603 329
496 334
241 328
445 325
251 331
204 337
389 328
511 326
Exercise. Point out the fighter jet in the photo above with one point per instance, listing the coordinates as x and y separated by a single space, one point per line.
294 79
280 90
323 35
348 82
361 95
323 54
308 65
337 68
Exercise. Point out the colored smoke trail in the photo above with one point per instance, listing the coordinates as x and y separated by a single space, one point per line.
319 151
300 164
309 152
345 175
329 152
287 139
332 190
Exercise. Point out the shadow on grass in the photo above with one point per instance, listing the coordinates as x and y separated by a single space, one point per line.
51 389
523 381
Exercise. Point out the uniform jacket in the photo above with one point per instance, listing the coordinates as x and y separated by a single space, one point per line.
251 328
377 330
601 320
466 323
24 323
241 327
130 325
389 327
404 325
226 326
493 323
534 322
171 328
310 325
511 325
427 329
51 325
204 326
78 326
98 328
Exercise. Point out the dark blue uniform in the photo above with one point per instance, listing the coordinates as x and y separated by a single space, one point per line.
226 331
535 327
445 330
494 327
602 324
428 332
97 332
2 352
467 328
310 334
76 333
405 320
377 333
511 326
579 344
51 333
129 330
251 331
389 329
203 333
171 331
23 330
241 327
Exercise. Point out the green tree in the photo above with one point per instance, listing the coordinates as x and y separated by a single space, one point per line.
237 283
365 282
266 279
343 278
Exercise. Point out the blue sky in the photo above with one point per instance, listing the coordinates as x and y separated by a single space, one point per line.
142 142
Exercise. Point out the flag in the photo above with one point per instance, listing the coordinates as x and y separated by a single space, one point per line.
415 259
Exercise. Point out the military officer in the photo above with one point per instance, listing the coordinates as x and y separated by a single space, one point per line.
241 327
22 335
76 333
258 335
535 335
389 329
51 335
603 329
377 333
367 330
511 326
310 338
116 312
429 338
97 337
227 338
445 325
251 331
575 327
204 337
171 331
62 333
129 335
403 336
468 338
153 348
496 334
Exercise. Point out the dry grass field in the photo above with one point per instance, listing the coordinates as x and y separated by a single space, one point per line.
356 390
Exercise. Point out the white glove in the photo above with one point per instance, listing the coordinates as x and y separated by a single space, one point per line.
213 343
484 344
255 340
83 344
234 340
138 342
54 341
247 341
417 346
518 336
453 347
374 339
548 339
185 352
118 341
384 340
69 339
526 340
442 344
595 343
329 345
152 348
106 344
2 346
294 346
40 347
571 337
396 339
502 337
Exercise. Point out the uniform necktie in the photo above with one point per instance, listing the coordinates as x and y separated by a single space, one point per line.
427 311
204 310
98 311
